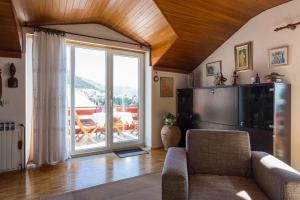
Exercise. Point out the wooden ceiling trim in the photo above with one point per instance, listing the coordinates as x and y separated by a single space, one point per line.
10 35
10 54
18 28
174 70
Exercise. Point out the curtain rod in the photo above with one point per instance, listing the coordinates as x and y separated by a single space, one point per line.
48 30
289 26
89 36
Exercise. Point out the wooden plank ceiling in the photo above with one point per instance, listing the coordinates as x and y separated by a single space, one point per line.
204 25
10 34
140 20
181 33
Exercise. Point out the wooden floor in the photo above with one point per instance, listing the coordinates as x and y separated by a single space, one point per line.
76 174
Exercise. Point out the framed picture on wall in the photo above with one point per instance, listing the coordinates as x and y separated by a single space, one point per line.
213 68
278 56
166 86
243 56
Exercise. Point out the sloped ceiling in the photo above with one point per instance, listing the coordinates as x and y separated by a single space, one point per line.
140 20
181 33
204 25
10 34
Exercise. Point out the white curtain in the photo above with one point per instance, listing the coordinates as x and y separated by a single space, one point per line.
49 125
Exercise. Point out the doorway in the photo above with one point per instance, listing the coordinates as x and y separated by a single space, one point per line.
106 98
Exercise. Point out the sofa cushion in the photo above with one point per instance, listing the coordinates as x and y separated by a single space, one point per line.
215 187
274 177
218 152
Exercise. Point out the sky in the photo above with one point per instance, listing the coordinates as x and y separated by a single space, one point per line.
90 64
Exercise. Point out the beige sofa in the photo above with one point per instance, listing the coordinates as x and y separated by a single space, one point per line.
219 165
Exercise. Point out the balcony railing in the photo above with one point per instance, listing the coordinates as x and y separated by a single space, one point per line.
90 126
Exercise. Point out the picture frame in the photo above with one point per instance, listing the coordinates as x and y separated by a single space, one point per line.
213 68
166 87
279 56
243 56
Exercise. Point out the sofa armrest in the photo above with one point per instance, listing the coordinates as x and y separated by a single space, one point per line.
278 180
175 175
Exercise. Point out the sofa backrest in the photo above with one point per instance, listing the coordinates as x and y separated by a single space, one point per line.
218 152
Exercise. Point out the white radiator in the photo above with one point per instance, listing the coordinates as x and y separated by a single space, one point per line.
11 147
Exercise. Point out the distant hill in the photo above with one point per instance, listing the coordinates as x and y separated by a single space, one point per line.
83 83
129 91
88 84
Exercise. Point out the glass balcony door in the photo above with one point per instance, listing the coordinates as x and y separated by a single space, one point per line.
126 98
88 98
106 98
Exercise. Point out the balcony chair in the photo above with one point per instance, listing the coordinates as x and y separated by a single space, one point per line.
86 130
219 165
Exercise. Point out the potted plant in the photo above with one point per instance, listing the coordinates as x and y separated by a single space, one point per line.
169 119
170 134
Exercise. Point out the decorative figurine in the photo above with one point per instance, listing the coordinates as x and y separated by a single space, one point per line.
222 79
274 77
257 79
217 79
235 78
12 81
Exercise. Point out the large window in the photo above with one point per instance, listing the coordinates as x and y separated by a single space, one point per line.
106 98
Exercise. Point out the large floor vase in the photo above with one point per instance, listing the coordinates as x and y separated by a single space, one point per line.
170 136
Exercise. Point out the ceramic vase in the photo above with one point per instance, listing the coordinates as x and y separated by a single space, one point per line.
170 136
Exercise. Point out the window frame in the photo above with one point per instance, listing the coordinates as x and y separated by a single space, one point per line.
110 52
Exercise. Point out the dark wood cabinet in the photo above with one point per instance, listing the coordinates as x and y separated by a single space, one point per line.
263 110
184 112
265 113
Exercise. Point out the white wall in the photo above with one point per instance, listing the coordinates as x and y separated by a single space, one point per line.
162 105
14 108
260 30
100 31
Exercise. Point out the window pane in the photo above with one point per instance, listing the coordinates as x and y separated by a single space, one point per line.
125 98
90 117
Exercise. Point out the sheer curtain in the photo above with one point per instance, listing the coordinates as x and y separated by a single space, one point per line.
49 120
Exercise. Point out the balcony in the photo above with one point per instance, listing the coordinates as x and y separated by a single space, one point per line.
90 126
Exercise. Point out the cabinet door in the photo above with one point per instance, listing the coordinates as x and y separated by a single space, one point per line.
256 107
282 123
218 105
184 112
260 140
184 101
